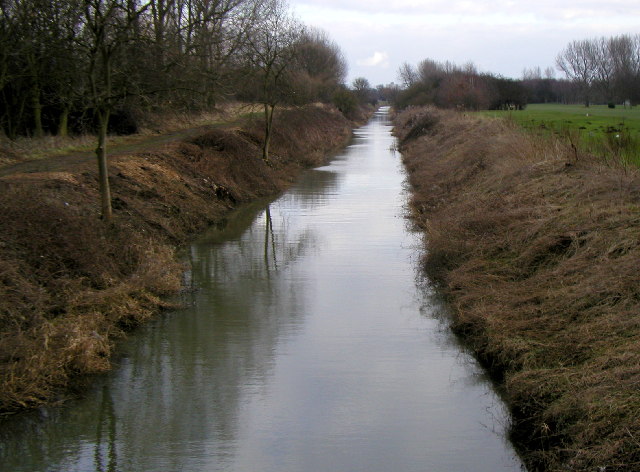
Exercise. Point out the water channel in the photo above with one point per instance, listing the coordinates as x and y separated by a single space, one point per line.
309 343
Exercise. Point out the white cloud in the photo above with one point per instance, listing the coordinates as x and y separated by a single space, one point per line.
378 59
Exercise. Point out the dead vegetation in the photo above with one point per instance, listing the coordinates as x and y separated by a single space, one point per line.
70 284
539 254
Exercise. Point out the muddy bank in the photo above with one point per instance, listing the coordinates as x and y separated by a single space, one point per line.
70 285
538 251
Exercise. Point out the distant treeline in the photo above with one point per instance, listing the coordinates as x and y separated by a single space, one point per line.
65 65
447 85
603 70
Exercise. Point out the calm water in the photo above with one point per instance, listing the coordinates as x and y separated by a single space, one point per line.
309 344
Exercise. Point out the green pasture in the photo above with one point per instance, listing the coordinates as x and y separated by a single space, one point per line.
613 133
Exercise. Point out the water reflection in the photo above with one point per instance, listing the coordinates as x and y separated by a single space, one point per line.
106 458
306 346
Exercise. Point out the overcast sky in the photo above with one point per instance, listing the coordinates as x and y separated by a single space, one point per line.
499 36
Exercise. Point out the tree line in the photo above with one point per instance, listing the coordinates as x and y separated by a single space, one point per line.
448 85
99 65
605 69
77 65
602 70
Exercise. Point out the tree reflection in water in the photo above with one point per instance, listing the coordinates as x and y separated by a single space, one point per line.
106 421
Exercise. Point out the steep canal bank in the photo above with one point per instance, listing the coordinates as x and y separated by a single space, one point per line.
71 284
537 247
310 342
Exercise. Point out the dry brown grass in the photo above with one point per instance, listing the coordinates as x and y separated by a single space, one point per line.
539 254
305 135
70 284
173 120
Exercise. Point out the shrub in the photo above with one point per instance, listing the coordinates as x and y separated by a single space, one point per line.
345 101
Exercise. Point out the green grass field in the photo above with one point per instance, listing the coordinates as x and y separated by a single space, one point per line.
613 133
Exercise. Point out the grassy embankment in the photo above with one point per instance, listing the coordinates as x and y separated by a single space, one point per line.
610 133
538 253
71 284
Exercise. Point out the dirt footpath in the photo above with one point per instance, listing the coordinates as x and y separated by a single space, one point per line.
133 144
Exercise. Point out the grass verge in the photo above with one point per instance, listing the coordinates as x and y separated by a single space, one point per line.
539 255
613 134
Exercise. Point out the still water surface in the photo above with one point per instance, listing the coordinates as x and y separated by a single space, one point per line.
309 344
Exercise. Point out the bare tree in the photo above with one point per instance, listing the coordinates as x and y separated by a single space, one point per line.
605 67
431 72
625 59
32 18
270 53
362 89
11 70
319 67
108 26
408 75
579 61
38 62
64 86
533 73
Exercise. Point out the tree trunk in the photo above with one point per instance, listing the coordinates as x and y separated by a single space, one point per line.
268 120
101 154
37 112
587 96
63 125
